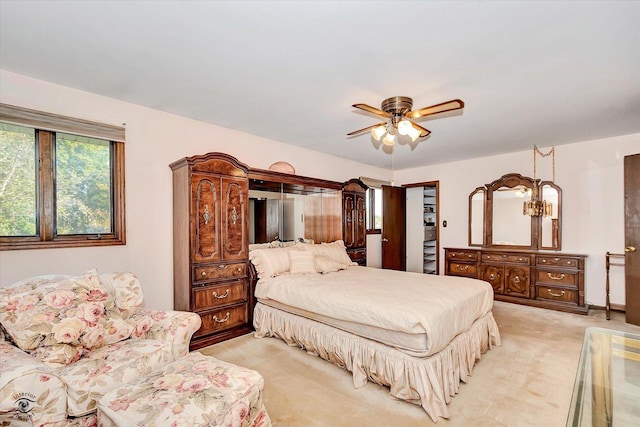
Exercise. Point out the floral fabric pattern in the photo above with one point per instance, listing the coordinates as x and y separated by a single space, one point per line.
93 337
125 287
58 321
108 367
29 390
195 390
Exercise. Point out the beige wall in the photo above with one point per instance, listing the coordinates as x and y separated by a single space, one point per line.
591 177
590 174
154 139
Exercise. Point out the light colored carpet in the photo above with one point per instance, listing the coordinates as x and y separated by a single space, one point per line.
528 381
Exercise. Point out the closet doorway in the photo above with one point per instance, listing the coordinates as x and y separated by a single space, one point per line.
422 220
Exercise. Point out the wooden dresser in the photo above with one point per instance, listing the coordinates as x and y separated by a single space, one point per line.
354 227
210 254
542 279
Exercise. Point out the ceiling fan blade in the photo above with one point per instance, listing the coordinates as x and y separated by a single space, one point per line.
355 132
454 104
423 132
373 110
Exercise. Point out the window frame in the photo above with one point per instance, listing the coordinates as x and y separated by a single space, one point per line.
46 235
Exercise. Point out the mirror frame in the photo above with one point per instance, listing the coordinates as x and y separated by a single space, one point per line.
557 233
512 180
484 201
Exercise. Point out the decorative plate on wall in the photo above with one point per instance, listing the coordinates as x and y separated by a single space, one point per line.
283 167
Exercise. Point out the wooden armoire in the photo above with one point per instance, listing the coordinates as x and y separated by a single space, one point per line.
354 218
210 249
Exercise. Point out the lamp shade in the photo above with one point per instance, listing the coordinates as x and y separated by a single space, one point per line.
378 131
404 127
389 139
413 133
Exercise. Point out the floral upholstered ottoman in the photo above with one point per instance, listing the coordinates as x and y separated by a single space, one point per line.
196 390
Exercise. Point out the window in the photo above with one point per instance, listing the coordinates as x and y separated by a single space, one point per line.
374 210
58 188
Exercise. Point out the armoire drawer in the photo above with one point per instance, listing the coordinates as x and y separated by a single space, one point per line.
461 269
510 258
557 277
208 273
219 320
357 254
557 261
462 255
557 294
215 296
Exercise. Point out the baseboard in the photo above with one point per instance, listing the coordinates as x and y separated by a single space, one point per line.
614 307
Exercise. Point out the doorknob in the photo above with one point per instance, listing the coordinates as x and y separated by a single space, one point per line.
386 240
630 249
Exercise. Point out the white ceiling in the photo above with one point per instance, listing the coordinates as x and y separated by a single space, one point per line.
534 72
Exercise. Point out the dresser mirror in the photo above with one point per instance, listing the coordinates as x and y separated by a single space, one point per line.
287 207
506 222
550 223
476 217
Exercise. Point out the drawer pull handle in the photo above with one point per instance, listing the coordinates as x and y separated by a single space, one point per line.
462 268
568 262
544 260
215 295
556 259
204 273
516 279
239 269
221 266
492 276
520 259
561 294
554 276
224 319
453 255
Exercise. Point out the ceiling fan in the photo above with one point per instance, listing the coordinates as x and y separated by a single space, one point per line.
398 109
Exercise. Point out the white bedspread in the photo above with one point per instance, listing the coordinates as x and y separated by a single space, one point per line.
439 306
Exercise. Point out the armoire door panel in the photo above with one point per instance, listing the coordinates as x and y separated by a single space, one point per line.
348 207
360 217
206 205
234 217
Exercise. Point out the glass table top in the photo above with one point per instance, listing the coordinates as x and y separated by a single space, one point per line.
606 391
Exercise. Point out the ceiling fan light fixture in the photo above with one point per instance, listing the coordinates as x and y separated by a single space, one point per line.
404 126
389 139
413 133
399 116
378 131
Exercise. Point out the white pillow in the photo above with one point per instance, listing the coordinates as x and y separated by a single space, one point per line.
274 244
271 262
327 265
335 251
302 262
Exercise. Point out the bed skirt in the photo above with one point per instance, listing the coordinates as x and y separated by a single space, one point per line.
426 381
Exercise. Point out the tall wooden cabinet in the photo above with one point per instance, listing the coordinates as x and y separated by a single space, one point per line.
354 216
210 255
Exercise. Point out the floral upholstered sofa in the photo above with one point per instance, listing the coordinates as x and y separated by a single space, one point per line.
65 341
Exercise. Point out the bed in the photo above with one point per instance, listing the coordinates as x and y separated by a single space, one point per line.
419 335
